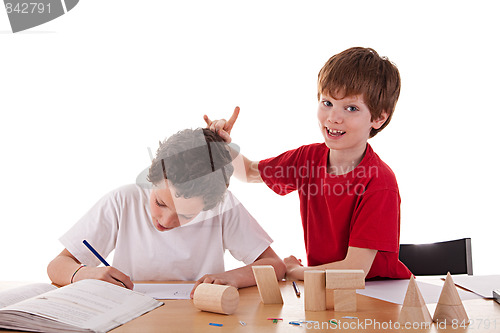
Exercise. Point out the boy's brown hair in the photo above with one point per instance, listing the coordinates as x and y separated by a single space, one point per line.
361 71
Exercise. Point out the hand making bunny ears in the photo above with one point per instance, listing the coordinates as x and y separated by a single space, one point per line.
222 126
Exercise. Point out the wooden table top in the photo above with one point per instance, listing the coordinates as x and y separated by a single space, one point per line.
372 315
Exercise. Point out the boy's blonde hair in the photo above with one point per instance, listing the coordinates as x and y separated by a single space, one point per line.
361 71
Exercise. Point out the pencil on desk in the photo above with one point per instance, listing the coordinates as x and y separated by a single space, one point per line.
297 291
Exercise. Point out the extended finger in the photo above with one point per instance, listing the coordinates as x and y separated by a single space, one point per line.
232 120
207 120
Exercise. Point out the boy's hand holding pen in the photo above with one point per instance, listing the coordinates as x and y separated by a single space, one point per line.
108 273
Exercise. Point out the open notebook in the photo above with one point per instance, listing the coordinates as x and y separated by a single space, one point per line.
84 306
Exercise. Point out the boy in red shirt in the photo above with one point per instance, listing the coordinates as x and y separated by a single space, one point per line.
349 198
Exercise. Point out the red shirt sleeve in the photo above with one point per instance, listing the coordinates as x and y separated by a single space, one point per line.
278 172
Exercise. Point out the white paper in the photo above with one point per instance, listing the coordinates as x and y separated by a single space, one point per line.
14 295
165 290
483 285
394 291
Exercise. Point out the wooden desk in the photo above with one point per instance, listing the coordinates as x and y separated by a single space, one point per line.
182 316
373 315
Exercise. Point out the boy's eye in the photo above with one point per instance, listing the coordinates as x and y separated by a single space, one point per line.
327 103
159 204
352 108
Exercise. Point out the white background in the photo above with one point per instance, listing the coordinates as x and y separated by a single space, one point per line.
84 96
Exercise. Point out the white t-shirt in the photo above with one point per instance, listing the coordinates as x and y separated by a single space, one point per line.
121 221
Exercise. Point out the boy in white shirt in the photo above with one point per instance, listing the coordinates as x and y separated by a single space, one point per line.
176 229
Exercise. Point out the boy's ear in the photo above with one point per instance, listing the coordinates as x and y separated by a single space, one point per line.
376 124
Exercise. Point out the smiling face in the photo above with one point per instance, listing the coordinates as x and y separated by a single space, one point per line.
362 71
346 123
169 211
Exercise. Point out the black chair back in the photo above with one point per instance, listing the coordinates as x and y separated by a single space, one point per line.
453 256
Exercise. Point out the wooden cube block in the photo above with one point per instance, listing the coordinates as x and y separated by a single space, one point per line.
345 279
329 299
267 283
314 290
344 300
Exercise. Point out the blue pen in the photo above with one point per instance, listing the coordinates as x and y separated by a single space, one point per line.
296 288
105 263
95 252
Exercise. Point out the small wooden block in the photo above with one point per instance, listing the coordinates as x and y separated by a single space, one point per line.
267 283
414 309
216 298
345 279
314 291
329 299
450 307
344 300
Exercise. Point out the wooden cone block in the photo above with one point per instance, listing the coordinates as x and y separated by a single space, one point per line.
348 279
267 283
216 298
450 307
314 291
414 309
344 300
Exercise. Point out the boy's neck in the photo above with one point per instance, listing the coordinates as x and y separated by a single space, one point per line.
343 161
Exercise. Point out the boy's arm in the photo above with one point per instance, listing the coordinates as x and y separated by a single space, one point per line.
244 169
356 258
243 276
62 270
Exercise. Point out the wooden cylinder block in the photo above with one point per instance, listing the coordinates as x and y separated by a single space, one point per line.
216 298
314 291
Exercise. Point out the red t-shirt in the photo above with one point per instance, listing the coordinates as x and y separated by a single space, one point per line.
359 209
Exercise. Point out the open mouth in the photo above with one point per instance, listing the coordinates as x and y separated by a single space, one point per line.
334 133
